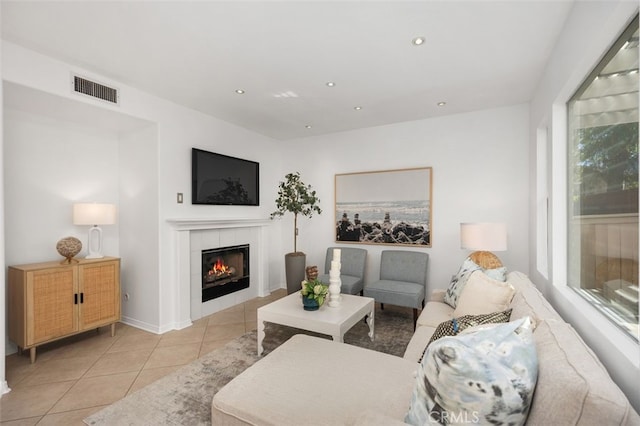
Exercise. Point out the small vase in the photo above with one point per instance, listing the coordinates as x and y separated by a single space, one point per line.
310 304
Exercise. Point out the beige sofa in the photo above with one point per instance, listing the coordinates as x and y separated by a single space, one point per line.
313 381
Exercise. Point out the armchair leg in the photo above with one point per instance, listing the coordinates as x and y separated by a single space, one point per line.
415 318
382 306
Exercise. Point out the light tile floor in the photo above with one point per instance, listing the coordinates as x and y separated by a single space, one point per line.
76 377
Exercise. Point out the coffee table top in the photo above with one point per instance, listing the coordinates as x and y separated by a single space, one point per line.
291 306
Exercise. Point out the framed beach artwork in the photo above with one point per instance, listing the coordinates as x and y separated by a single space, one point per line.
384 207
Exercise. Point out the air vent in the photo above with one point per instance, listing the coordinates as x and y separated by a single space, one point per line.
95 90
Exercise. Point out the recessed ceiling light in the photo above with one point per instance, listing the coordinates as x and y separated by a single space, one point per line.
418 41
239 91
441 104
308 126
330 83
357 108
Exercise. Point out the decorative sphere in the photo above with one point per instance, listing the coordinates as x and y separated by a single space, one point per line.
69 247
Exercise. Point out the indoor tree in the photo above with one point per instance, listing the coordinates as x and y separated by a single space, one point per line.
294 196
297 198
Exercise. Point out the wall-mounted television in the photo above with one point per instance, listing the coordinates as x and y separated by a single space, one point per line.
223 180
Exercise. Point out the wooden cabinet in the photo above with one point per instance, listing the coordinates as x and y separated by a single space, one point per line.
49 301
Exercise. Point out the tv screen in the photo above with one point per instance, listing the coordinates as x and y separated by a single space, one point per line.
223 180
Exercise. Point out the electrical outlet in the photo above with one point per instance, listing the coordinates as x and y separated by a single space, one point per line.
179 197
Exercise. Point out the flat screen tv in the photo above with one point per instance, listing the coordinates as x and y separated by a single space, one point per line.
223 180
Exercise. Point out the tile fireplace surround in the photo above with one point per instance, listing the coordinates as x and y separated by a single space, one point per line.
194 235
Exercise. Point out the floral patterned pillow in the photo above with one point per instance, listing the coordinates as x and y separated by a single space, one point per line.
484 375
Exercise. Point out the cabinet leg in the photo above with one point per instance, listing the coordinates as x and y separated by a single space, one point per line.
113 329
32 354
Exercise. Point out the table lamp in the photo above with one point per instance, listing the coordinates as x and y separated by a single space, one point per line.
484 238
94 214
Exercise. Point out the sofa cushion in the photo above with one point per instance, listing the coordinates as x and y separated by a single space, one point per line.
418 341
434 313
573 386
483 295
528 301
484 375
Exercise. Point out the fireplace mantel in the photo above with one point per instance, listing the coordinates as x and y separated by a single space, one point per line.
188 300
190 224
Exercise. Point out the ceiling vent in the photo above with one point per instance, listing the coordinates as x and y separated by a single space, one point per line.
95 90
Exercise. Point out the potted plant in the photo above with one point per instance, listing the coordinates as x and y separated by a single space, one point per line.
314 293
294 196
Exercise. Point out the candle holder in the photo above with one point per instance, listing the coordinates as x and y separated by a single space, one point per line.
335 282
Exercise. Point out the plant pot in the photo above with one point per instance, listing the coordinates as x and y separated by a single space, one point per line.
294 264
310 304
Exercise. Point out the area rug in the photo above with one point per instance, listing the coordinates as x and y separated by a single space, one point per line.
184 396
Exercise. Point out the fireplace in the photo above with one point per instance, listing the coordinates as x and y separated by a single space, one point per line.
224 270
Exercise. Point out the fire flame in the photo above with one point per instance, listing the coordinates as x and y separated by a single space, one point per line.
219 269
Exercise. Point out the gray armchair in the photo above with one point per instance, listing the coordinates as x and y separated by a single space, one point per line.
352 266
403 280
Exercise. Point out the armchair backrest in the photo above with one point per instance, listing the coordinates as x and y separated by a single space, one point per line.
352 261
408 266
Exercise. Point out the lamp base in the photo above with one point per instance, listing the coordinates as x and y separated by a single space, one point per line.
94 256
485 259
95 243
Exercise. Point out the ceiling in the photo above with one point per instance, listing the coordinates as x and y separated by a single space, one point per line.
476 55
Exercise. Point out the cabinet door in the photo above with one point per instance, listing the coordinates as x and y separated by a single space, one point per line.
100 294
51 312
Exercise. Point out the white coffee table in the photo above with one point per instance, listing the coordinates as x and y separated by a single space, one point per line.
326 320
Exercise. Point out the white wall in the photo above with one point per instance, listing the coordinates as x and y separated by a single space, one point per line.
146 143
49 165
589 31
480 173
138 223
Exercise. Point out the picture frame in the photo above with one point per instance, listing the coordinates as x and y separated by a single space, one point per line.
392 207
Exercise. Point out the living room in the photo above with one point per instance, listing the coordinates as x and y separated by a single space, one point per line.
60 148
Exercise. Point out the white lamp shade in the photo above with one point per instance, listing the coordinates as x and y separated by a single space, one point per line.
94 214
483 236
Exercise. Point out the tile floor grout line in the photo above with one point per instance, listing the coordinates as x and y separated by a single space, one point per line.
76 382
222 330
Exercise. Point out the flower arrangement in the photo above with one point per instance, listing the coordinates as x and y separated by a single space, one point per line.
314 289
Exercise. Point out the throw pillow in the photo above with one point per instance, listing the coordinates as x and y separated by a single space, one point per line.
483 295
459 280
498 274
482 376
455 326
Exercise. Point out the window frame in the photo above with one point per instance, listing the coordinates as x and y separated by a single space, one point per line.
562 212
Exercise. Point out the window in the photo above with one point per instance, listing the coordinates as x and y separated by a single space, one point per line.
603 184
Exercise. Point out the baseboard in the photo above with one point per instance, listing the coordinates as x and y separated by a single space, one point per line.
4 387
141 325
153 328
